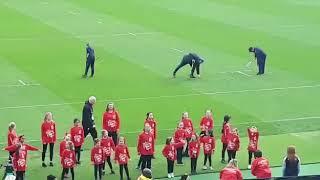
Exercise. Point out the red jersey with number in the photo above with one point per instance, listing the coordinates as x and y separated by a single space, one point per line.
233 142
145 144
206 123
122 154
97 155
253 140
153 127
226 131
77 136
107 146
209 144
188 127
68 159
111 121
169 151
48 132
194 149
20 156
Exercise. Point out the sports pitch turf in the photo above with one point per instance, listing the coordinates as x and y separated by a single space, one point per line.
138 43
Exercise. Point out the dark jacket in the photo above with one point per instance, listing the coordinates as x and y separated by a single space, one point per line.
192 58
291 167
87 115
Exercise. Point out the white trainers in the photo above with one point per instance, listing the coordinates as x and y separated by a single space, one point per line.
172 175
204 167
249 166
211 168
169 176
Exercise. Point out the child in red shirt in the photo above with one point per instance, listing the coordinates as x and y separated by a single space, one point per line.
97 159
20 154
48 134
188 127
209 144
194 151
225 132
233 144
122 157
68 160
77 137
207 123
108 147
170 152
111 122
260 166
231 171
179 136
253 136
12 137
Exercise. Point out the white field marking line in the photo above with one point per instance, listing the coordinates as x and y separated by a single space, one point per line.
175 49
243 123
240 72
73 12
19 85
166 96
292 26
22 82
132 34
226 72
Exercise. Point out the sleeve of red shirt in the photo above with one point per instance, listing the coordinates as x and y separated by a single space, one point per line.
128 152
118 120
164 151
62 158
11 138
139 144
11 148
55 132
253 168
31 148
239 175
116 154
42 132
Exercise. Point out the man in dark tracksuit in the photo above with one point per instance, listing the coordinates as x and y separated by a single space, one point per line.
90 61
193 60
261 58
88 119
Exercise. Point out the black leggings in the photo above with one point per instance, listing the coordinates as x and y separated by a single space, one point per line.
77 150
109 163
146 161
170 166
250 153
207 157
44 150
92 131
179 155
223 153
194 165
66 171
98 171
139 162
125 166
20 175
186 152
231 155
114 136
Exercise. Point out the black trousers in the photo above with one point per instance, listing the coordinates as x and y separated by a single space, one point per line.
186 152
179 155
65 171
231 155
195 66
109 163
20 175
139 162
207 157
250 153
146 161
89 64
11 154
170 166
193 165
125 167
44 151
98 171
114 136
179 67
261 62
223 153
92 131
77 150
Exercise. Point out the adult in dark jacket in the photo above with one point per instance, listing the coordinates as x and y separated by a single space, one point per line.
193 60
260 56
88 118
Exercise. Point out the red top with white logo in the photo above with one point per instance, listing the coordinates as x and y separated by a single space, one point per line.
48 132
20 156
107 146
260 168
253 140
226 131
12 137
77 136
153 126
233 142
169 151
97 155
188 127
209 144
206 123
145 144
68 159
230 174
122 155
194 149
111 121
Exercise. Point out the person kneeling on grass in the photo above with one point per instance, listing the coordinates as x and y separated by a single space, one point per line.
68 160
170 152
122 156
97 159
108 147
209 145
260 166
194 151
231 171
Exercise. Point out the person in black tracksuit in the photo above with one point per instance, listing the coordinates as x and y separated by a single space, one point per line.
193 60
88 119
90 55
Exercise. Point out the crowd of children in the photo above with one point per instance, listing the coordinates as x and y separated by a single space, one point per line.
184 143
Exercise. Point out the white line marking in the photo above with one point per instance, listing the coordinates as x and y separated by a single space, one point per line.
73 12
175 49
167 96
132 34
22 82
19 85
44 3
120 34
243 123
99 22
240 72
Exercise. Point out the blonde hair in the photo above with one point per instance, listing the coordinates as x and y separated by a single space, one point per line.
92 100
233 163
12 125
46 116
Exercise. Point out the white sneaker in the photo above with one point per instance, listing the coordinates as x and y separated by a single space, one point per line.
211 168
249 166
204 167
169 176
172 175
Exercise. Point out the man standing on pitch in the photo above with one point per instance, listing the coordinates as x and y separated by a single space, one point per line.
260 57
88 118
90 61
193 60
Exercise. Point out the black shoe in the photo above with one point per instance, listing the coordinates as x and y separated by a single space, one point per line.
192 76
91 76
223 161
78 162
84 76
81 149
112 172
259 73
44 165
51 164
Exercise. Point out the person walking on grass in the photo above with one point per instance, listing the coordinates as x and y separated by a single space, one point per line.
49 137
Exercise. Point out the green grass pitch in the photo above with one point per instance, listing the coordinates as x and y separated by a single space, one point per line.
138 44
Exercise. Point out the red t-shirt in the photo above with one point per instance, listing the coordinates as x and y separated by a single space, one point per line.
145 144
153 126
12 137
107 146
169 151
209 144
111 121
77 136
179 136
206 123
48 132
226 130
233 142
122 155
188 127
194 149
230 174
260 168
97 155
20 158
68 159
253 140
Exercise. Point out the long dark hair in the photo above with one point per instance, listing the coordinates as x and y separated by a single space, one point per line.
226 119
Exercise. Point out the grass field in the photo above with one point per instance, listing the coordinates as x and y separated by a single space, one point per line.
138 43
